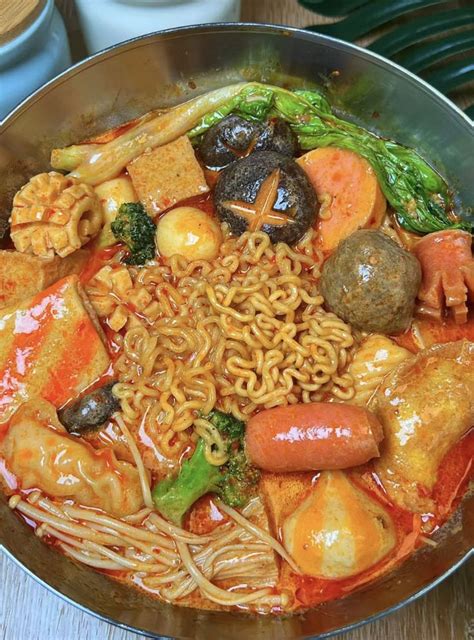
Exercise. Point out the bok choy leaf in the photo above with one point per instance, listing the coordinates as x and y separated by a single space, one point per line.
418 194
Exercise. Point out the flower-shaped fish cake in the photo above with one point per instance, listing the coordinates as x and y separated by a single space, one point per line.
52 214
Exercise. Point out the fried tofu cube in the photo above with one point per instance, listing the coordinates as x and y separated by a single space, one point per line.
282 492
22 275
51 345
166 175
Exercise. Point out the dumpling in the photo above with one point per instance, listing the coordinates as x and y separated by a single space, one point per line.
38 450
372 361
338 530
426 405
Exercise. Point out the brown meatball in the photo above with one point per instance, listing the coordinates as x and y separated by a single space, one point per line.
371 283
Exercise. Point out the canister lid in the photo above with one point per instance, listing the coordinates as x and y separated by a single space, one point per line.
16 16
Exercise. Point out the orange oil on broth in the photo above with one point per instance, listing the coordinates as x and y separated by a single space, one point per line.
98 259
455 472
79 349
27 342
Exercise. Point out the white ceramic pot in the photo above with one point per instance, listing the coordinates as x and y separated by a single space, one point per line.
106 22
38 53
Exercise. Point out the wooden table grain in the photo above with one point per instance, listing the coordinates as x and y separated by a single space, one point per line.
30 612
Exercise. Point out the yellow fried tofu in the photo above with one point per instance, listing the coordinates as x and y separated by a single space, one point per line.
327 535
282 493
166 175
50 346
425 405
22 275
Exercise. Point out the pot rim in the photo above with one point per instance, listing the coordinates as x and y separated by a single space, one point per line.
229 26
329 634
284 31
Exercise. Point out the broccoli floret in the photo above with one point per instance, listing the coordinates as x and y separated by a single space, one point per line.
173 497
136 229
238 481
229 426
234 482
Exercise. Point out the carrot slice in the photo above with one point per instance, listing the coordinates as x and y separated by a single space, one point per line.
349 191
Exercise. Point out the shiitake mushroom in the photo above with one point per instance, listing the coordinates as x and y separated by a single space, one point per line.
227 140
4 231
277 136
91 411
269 192
234 137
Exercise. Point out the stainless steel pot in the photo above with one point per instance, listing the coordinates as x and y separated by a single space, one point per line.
169 67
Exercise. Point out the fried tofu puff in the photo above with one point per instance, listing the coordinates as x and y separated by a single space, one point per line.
328 534
22 275
425 405
166 175
325 521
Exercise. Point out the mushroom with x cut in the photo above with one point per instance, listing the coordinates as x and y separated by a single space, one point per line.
266 192
261 211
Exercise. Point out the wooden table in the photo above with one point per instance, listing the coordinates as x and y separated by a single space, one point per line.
29 612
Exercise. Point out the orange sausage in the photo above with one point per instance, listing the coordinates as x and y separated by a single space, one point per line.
349 185
314 436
